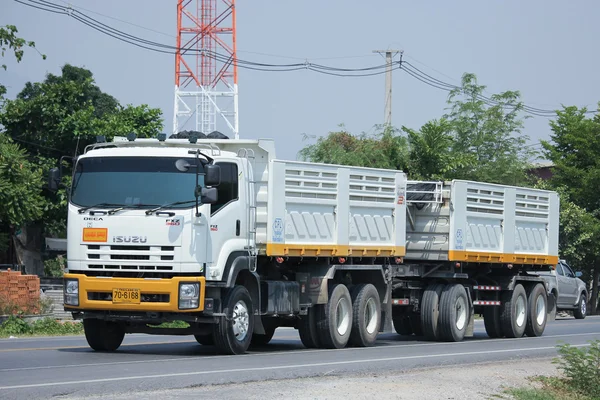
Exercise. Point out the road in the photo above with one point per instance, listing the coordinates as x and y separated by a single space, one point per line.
65 366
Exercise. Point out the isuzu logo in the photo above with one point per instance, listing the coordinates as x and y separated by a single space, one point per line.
130 239
93 219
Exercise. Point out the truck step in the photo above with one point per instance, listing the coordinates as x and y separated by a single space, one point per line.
482 287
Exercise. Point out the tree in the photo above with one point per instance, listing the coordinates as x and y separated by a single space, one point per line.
10 41
478 139
59 117
574 149
384 149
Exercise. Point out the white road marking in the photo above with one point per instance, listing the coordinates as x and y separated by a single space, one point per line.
194 358
279 367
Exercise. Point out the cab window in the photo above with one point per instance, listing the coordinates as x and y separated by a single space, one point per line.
228 188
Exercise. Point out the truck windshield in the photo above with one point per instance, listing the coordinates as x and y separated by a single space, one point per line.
133 181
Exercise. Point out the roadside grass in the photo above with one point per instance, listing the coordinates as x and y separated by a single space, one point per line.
581 380
15 326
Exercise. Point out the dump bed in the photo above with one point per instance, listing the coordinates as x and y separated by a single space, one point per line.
481 222
332 210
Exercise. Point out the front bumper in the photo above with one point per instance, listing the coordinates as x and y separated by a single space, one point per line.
156 295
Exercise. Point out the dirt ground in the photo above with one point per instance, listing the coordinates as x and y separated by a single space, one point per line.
465 382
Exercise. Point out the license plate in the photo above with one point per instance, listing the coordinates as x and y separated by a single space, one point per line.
126 295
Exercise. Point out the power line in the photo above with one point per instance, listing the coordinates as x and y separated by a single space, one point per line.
405 66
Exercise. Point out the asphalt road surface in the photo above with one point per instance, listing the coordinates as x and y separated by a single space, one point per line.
48 367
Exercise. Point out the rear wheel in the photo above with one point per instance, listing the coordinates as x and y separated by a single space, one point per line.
537 310
103 335
307 327
430 311
233 333
335 324
513 314
454 313
366 312
491 321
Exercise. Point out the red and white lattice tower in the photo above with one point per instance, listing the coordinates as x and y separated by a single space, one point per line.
206 65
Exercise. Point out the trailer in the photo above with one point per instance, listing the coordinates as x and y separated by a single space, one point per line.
224 236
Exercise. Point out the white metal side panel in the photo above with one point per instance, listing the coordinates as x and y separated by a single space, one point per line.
498 223
322 209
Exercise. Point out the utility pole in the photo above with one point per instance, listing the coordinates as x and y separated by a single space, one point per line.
389 54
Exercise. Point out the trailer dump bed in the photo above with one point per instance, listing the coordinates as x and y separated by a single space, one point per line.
481 222
332 210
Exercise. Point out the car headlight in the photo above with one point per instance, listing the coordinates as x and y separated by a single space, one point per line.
189 295
71 292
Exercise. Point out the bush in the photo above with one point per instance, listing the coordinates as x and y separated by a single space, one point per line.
47 326
581 367
54 267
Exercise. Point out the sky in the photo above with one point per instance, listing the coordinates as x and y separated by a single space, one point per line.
546 49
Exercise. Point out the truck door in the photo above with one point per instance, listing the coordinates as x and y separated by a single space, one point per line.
227 219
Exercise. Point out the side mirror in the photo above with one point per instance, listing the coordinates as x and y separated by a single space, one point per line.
213 175
578 274
54 179
208 195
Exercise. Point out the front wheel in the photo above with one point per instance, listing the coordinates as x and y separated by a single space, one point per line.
581 310
233 333
103 335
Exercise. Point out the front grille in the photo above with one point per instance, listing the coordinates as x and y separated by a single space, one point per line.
128 257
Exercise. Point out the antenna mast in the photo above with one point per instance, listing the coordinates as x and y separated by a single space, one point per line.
206 66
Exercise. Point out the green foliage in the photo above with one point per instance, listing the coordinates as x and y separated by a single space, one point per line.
473 141
55 267
581 367
385 149
10 41
20 185
171 324
45 326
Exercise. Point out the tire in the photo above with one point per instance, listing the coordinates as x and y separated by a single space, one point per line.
402 325
491 321
581 311
336 335
260 339
103 335
307 327
205 340
233 333
537 310
366 312
513 312
454 313
430 311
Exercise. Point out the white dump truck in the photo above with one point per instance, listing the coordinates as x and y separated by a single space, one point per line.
226 237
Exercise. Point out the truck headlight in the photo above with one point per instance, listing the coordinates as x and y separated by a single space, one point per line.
71 293
189 295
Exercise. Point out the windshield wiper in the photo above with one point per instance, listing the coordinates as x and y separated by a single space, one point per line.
99 205
177 203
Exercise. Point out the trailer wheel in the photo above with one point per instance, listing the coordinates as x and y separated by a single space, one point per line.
537 305
307 327
402 325
491 321
103 335
454 313
205 340
335 325
513 312
366 311
233 333
430 311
